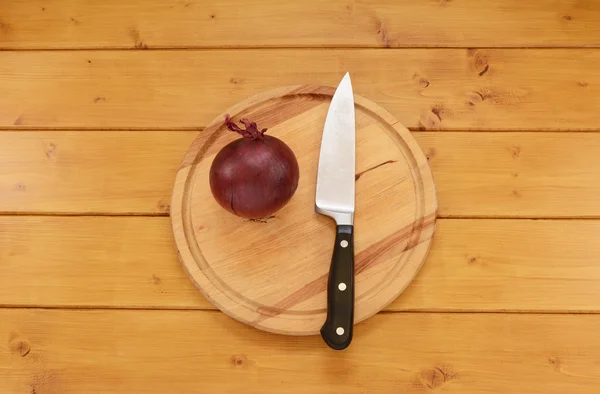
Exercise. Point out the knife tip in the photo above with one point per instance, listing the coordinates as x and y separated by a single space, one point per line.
346 80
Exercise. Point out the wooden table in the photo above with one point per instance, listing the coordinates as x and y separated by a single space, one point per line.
100 100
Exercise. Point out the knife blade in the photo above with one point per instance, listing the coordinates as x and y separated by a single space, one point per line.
335 198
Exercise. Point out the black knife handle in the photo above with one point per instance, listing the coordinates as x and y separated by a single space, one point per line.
337 330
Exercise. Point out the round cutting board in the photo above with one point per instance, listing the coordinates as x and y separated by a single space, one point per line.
272 273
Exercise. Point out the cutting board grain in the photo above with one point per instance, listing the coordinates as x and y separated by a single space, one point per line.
74 352
43 24
480 265
272 273
433 89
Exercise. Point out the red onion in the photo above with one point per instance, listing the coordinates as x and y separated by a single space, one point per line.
254 176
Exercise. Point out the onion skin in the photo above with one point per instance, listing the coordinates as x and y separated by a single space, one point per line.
255 176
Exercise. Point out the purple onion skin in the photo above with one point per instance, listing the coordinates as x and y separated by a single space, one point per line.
254 178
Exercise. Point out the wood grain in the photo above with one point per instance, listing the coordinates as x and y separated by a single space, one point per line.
532 174
515 175
92 172
92 262
449 89
273 275
544 273
43 24
204 352
474 265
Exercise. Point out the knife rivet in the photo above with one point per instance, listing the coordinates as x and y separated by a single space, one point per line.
344 243
339 331
342 286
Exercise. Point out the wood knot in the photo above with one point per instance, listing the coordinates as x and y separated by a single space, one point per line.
137 39
432 119
567 17
475 97
155 279
429 121
99 99
435 377
239 360
478 62
430 153
441 111
515 151
500 96
50 150
163 206
20 347
382 34
583 84
437 111
485 69
432 378
420 80
20 187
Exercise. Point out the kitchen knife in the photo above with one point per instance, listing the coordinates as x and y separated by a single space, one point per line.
335 198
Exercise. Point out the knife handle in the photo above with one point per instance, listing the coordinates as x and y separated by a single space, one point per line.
337 330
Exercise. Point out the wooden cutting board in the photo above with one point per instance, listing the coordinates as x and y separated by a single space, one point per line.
272 273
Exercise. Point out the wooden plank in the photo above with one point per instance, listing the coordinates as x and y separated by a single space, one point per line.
474 265
530 174
92 262
434 89
105 172
204 352
40 24
515 174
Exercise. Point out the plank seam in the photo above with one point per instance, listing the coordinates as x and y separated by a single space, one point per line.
301 47
214 310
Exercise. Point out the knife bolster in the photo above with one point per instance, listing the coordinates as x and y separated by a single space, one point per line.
341 218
